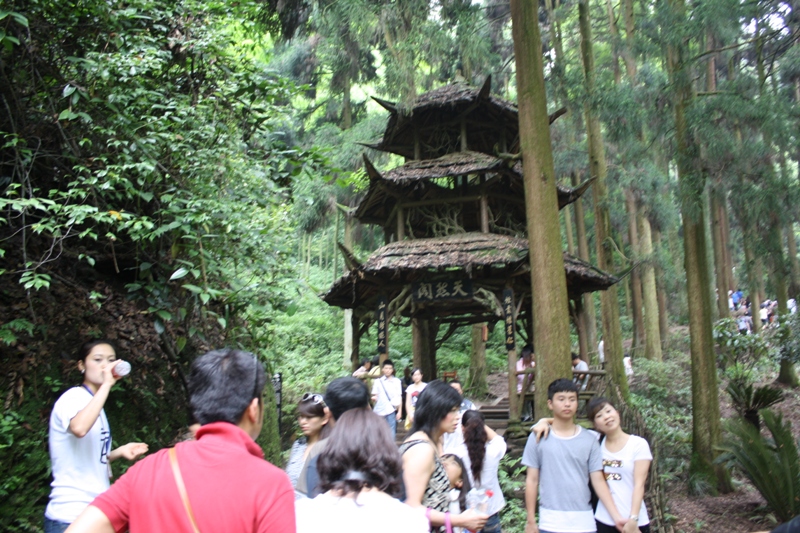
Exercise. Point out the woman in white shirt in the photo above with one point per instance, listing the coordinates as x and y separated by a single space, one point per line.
360 472
481 453
80 439
412 393
626 463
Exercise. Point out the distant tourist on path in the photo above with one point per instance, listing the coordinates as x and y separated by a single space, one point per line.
342 395
412 393
313 419
218 483
579 364
387 395
451 441
360 475
80 439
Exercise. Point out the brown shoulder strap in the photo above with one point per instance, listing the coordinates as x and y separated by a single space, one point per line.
176 471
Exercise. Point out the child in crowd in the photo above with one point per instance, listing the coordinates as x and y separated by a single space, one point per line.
560 468
459 485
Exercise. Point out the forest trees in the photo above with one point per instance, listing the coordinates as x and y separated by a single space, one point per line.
548 284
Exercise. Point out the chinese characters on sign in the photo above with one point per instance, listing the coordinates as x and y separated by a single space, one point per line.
508 317
442 290
381 319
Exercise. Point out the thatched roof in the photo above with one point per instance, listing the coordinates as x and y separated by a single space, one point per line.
434 121
491 261
412 182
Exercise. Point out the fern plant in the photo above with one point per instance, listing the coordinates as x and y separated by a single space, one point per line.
772 464
748 401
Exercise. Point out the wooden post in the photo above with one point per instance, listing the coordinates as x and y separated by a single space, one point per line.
484 214
509 319
382 316
355 339
401 229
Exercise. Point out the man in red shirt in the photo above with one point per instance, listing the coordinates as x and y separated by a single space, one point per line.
229 487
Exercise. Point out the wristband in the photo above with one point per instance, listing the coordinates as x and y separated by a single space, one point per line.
428 514
633 517
448 526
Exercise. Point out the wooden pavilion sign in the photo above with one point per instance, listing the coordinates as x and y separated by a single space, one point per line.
381 319
508 317
454 289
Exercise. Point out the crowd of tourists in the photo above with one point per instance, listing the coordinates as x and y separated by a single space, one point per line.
767 314
346 473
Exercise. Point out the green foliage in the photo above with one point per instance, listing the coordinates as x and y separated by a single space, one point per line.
662 393
772 463
740 351
8 330
749 401
511 475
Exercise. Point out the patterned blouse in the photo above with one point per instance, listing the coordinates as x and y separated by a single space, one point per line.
435 495
296 460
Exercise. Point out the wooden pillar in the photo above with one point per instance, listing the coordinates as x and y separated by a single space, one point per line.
382 320
355 338
401 224
423 345
509 329
580 325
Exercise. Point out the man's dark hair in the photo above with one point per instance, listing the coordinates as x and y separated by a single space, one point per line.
561 385
344 394
575 356
222 383
360 453
387 362
527 350
433 404
87 346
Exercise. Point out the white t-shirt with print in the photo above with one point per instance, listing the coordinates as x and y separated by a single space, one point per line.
80 465
618 471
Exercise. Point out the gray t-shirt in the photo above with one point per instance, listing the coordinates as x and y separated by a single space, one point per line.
564 465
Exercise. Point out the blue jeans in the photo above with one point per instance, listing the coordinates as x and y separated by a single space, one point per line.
54 526
492 525
391 419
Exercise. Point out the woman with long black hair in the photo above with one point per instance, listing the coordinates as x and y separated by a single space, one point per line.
481 453
425 479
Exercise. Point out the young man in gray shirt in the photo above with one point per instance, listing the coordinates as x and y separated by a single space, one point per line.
560 468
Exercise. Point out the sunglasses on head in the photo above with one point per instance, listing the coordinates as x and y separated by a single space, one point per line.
313 397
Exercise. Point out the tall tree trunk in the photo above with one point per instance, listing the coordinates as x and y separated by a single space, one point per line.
548 283
706 426
587 312
661 292
752 271
347 111
726 239
636 278
567 211
350 327
652 345
720 260
612 334
794 263
787 374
